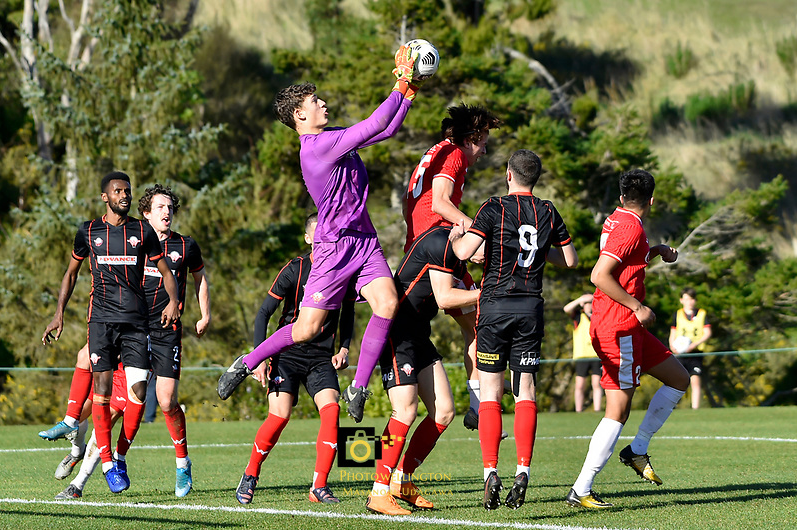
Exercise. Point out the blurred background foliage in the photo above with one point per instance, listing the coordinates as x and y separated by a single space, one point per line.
180 92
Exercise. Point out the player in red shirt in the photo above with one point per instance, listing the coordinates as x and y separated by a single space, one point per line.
432 199
626 348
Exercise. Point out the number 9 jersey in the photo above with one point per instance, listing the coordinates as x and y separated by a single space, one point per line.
518 230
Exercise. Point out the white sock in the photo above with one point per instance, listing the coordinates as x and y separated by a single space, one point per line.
660 408
88 465
380 490
473 392
523 469
117 456
487 471
106 466
69 420
400 477
601 448
182 463
79 443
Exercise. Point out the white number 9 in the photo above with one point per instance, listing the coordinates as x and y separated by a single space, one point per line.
528 245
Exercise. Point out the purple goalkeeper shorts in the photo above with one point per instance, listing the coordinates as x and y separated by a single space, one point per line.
352 259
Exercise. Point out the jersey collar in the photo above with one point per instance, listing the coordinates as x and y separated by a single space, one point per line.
629 212
525 193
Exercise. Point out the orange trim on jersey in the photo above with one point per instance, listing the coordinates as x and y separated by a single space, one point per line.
527 193
296 293
478 232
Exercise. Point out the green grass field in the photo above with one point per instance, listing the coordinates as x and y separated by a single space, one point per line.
722 468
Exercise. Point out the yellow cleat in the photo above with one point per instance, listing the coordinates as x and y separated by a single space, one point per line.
640 464
590 500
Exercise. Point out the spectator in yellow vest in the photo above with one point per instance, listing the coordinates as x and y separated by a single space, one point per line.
689 332
587 362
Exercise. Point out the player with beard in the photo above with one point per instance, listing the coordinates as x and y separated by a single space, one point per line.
117 246
182 254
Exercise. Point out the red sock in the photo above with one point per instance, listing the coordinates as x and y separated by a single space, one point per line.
490 432
393 439
175 422
79 392
101 412
131 421
326 445
421 444
525 430
266 438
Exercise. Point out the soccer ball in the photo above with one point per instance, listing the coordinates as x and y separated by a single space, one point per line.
681 344
428 59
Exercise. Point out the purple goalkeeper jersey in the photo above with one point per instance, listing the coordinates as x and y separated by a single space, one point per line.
335 175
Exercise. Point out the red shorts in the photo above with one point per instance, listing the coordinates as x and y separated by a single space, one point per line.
625 354
119 393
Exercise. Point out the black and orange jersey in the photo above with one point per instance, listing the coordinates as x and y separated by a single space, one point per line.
117 255
182 255
288 288
430 251
519 230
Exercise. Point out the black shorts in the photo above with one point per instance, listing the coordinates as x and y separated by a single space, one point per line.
402 359
584 367
166 351
110 342
309 367
511 338
693 365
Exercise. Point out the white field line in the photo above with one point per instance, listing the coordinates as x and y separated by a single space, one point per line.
411 519
62 447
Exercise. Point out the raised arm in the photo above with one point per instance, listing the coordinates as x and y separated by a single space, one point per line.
202 288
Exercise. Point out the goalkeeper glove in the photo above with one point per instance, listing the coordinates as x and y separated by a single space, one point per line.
405 63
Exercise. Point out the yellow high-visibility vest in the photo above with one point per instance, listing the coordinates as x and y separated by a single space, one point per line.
691 328
582 344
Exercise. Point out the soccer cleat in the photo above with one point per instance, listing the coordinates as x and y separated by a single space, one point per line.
640 464
233 377
355 397
471 420
71 493
409 492
385 504
58 431
117 478
66 466
323 495
184 482
246 489
590 500
492 491
517 495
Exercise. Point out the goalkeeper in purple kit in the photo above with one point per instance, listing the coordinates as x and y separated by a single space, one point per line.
346 249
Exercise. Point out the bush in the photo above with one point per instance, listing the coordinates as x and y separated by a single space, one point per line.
723 108
786 50
680 62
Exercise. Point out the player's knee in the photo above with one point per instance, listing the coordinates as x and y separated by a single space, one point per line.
405 415
305 332
444 417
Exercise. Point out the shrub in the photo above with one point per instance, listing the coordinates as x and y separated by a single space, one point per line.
786 50
680 62
722 108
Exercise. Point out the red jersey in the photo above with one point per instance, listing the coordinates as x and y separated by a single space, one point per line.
444 160
623 238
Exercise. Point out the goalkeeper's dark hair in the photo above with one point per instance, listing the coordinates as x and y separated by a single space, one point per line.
113 175
526 167
636 187
312 218
289 99
145 202
468 122
689 291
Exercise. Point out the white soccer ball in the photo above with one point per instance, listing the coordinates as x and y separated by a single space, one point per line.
681 344
428 59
